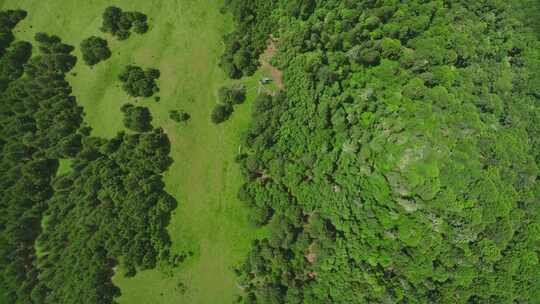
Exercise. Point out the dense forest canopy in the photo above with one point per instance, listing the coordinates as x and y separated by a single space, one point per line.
400 164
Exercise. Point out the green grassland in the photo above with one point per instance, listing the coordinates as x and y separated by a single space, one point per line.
184 42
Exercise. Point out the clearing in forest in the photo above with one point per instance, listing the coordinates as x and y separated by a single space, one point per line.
184 43
266 66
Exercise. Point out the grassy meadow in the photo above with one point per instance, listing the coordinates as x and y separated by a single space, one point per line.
184 43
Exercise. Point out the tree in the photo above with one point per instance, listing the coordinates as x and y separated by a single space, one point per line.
221 113
232 95
139 83
137 118
95 50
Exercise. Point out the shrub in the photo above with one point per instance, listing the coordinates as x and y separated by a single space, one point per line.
179 116
221 113
119 23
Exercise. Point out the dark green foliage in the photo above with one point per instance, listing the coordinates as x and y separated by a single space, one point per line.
137 118
401 164
8 20
39 120
228 97
119 23
139 83
232 95
12 63
179 116
95 50
221 113
112 204
243 47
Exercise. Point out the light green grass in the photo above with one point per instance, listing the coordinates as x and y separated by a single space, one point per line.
184 42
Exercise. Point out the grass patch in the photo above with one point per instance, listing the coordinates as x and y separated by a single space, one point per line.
184 42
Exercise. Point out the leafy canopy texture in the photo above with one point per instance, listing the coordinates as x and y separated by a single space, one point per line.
61 235
401 164
139 83
119 23
179 115
95 50
137 118
221 113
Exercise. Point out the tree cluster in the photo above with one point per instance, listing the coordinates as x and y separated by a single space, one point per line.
244 46
119 23
232 95
110 207
228 98
94 50
138 82
401 164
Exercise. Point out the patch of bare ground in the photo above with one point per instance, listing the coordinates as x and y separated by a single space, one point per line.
271 49
311 256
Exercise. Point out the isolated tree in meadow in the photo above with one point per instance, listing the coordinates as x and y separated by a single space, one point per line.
221 113
139 83
95 50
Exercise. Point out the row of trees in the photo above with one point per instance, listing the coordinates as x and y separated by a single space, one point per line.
401 165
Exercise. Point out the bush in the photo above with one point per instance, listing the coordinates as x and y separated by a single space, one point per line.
221 113
232 95
179 116
95 50
119 23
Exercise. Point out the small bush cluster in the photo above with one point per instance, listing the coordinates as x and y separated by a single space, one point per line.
119 23
95 50
228 97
